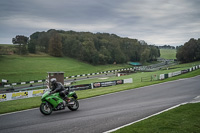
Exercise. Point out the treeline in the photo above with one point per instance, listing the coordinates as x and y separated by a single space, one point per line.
99 48
167 47
189 52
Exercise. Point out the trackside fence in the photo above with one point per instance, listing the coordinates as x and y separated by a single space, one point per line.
35 93
75 76
138 68
150 78
168 75
172 74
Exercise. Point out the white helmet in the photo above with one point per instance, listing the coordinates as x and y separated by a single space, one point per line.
53 80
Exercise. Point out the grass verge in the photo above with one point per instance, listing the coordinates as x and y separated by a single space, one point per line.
184 119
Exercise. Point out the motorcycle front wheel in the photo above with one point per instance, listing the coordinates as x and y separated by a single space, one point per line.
46 108
74 106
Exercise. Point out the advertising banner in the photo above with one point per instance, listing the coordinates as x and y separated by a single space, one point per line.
162 76
119 82
170 75
2 97
37 93
97 84
21 95
184 71
130 80
107 83
81 87
176 73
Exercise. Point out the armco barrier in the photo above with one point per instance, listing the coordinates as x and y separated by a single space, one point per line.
107 83
82 75
101 84
23 83
132 68
34 93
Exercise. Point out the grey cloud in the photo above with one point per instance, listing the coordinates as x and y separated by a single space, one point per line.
156 21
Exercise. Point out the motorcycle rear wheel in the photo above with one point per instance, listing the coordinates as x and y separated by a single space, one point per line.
46 108
74 106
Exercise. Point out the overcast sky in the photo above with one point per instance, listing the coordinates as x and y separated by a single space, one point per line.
159 22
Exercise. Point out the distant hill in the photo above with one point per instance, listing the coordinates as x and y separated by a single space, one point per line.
168 53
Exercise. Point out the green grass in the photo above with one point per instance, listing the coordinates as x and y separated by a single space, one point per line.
26 68
15 105
18 105
6 45
137 76
184 119
17 68
168 53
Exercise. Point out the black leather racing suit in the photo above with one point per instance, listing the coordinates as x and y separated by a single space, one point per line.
58 87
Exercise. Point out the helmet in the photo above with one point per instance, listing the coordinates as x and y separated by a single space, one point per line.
53 81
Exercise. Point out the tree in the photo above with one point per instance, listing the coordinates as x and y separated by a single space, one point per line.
179 54
99 48
43 41
154 52
189 52
22 42
197 53
32 46
145 55
55 45
89 51
33 43
104 55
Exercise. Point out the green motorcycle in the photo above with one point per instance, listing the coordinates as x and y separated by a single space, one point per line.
54 102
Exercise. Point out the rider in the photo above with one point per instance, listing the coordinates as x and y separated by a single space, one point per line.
58 87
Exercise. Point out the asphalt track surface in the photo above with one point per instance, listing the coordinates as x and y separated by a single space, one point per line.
103 113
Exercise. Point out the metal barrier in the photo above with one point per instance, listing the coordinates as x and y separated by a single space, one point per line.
34 93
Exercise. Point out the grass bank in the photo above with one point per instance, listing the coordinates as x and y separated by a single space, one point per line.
184 119
17 68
